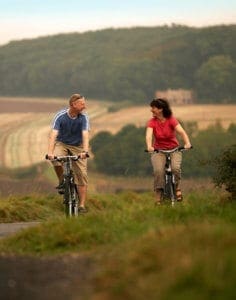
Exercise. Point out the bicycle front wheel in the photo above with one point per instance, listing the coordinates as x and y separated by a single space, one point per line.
68 201
170 188
75 200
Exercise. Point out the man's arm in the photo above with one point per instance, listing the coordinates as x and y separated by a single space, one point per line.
51 142
85 135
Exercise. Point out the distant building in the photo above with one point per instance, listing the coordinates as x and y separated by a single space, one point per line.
176 97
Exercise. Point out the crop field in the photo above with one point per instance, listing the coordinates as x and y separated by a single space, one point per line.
25 123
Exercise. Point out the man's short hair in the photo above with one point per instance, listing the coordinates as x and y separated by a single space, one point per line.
75 97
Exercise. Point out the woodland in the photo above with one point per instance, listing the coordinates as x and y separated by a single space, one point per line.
124 64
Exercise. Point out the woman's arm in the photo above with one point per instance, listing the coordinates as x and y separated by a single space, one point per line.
179 129
149 135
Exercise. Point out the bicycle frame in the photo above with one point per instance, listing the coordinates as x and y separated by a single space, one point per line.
71 196
169 191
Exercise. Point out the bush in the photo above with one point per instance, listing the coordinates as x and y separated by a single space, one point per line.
121 154
226 170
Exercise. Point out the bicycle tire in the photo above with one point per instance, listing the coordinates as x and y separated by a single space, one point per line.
68 198
169 191
172 193
75 200
167 187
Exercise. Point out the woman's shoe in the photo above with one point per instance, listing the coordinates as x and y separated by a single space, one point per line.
179 196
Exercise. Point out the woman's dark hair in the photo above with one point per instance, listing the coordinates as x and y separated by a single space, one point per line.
164 104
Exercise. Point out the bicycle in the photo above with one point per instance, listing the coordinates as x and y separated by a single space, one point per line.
169 191
70 193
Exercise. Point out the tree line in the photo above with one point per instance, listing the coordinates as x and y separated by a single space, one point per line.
123 153
124 64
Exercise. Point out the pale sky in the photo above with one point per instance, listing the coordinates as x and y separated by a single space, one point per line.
20 19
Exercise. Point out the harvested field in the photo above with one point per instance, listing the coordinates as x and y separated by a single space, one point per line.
204 115
25 125
22 105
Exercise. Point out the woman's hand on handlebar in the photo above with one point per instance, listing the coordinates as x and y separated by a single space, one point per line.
187 146
150 149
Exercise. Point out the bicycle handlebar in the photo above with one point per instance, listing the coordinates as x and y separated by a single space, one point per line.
180 148
61 158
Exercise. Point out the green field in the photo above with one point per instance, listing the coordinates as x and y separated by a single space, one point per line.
138 251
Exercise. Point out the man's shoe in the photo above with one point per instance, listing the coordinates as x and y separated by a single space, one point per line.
60 189
82 210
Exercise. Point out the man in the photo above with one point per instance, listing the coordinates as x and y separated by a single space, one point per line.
70 132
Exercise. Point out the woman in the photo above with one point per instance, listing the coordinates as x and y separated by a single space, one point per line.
161 134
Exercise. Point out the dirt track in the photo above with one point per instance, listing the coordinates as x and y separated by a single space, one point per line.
47 278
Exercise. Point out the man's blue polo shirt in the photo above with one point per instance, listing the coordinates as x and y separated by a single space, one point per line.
70 129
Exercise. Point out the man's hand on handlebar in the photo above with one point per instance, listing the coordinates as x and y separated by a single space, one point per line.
84 155
50 156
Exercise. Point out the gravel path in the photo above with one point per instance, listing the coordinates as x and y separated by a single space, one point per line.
11 228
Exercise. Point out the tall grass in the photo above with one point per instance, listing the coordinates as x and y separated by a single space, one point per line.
29 208
112 219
